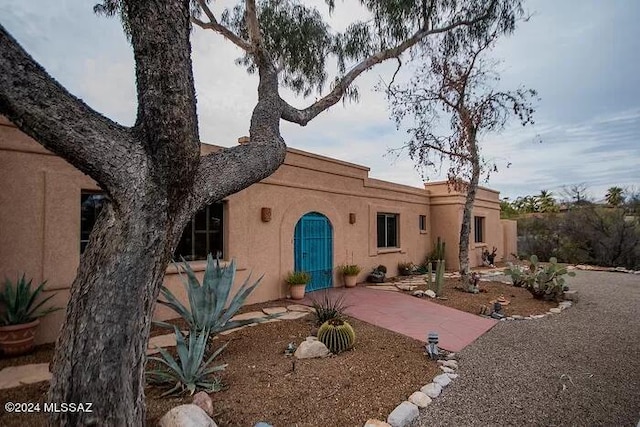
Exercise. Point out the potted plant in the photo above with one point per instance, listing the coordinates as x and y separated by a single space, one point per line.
19 316
297 280
350 273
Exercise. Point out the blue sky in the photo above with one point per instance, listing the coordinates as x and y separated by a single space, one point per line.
581 55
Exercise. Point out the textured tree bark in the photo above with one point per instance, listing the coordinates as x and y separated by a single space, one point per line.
472 188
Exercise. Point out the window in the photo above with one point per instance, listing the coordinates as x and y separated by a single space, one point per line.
90 206
387 230
478 227
423 223
202 235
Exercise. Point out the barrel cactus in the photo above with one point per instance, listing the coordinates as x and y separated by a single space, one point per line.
337 335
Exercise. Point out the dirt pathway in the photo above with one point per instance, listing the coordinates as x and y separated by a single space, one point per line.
580 367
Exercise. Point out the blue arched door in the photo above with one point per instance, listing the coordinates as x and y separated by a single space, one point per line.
313 250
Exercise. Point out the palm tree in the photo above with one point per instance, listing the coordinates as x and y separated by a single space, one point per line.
546 202
615 196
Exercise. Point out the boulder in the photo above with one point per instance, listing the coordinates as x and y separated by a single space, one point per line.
570 296
430 293
203 401
443 380
420 399
446 370
403 415
311 349
555 310
432 390
449 363
376 423
186 416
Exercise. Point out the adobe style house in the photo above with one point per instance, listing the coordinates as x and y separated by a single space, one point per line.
313 214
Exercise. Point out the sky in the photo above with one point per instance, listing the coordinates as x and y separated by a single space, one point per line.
582 56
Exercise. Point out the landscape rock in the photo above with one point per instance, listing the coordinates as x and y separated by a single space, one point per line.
451 356
418 293
420 399
203 401
564 304
452 376
443 380
517 317
274 310
186 416
403 415
447 370
449 363
537 316
432 390
249 315
555 310
293 315
570 296
300 307
376 423
310 349
430 293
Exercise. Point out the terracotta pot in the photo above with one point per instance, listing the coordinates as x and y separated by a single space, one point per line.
297 291
18 339
350 281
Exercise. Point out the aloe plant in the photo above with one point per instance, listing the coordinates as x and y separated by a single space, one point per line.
207 301
190 372
19 302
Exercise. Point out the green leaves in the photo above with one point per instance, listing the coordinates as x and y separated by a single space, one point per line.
19 302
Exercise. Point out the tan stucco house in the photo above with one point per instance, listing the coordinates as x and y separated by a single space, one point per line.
313 213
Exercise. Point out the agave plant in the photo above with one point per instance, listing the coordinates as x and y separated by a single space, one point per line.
207 301
189 372
19 302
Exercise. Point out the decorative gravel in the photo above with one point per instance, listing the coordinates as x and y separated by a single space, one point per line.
579 367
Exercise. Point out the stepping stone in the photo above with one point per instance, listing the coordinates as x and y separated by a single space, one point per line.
300 307
448 363
384 288
404 287
293 315
249 315
14 376
447 370
274 310
229 331
168 340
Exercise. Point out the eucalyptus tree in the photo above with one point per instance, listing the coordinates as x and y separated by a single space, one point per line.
153 173
457 87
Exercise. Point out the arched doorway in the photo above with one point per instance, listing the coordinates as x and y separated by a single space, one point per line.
313 250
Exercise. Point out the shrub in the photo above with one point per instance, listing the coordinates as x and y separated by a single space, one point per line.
190 372
337 335
544 282
349 269
405 268
328 308
19 302
298 278
207 301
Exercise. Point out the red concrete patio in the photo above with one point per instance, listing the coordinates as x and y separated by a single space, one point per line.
410 316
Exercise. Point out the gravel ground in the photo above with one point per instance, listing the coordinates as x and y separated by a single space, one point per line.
577 368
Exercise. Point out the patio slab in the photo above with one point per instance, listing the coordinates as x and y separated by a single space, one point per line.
413 317
14 376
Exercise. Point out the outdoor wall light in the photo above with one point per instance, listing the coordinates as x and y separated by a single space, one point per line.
432 345
265 214
352 218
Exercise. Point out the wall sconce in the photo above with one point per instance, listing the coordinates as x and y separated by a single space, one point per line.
352 218
265 214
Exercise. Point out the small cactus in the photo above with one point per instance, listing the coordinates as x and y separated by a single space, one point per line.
337 335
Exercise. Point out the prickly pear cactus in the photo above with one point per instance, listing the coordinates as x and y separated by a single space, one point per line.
337 335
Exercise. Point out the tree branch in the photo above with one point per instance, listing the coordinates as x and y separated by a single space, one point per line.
214 25
304 116
43 109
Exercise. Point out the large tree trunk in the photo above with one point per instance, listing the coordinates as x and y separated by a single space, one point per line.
465 230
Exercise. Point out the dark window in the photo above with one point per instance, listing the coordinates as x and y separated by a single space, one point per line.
423 222
90 206
478 228
203 235
387 230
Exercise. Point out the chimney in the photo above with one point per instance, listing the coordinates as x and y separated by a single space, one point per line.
243 140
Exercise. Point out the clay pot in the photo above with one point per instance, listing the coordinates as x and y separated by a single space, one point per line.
350 281
297 291
18 339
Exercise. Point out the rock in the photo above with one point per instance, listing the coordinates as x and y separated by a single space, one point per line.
420 399
637 272
403 287
443 380
203 401
449 363
376 423
248 316
311 349
446 370
564 304
451 356
311 338
274 310
403 414
509 318
15 376
293 315
537 316
432 390
262 424
555 310
186 416
167 340
452 376
621 270
528 318
570 296
430 293
418 293
300 307
517 317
